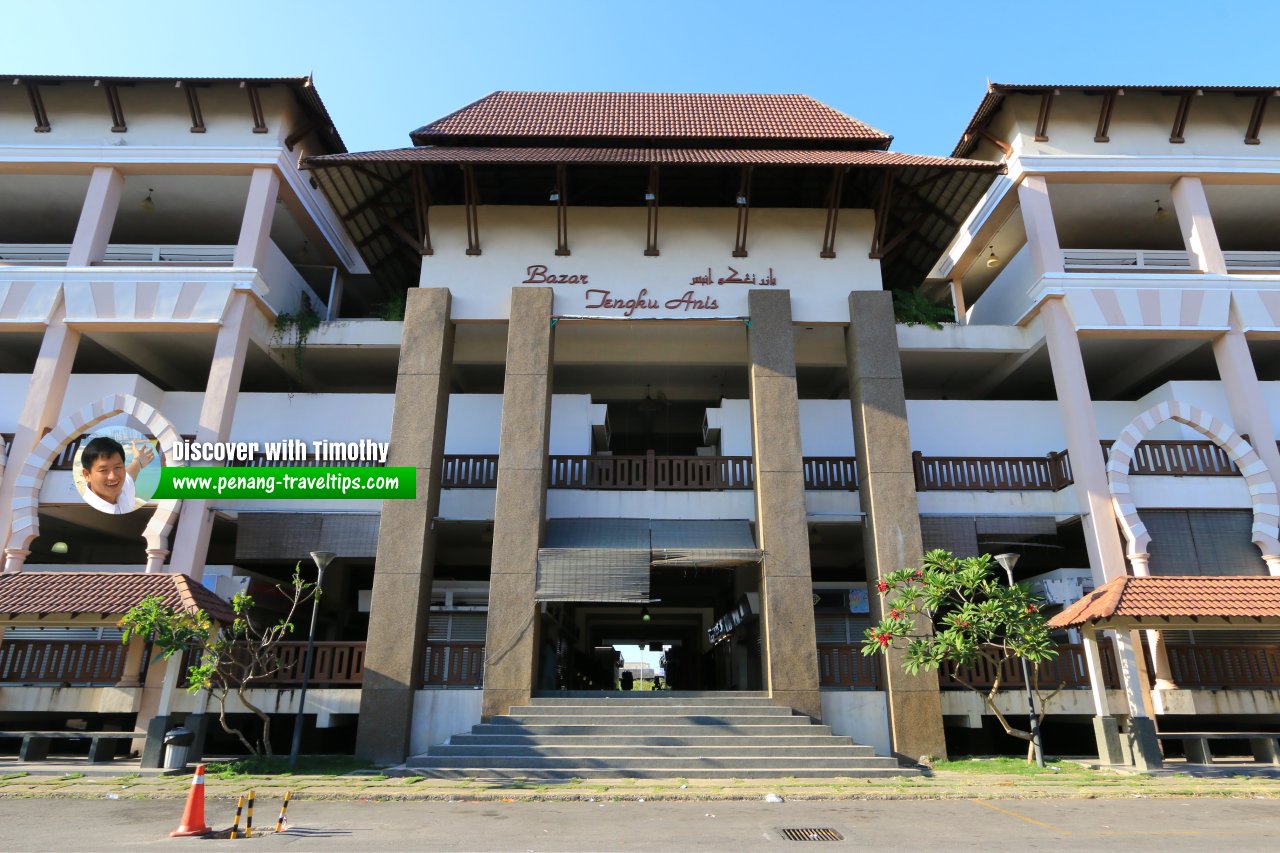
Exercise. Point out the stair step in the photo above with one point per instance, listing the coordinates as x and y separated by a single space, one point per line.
689 772
609 750
645 729
558 719
627 763
709 740
651 696
603 709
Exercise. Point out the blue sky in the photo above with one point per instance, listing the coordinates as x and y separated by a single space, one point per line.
914 69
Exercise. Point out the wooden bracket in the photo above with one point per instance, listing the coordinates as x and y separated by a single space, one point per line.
118 124
193 106
834 193
1042 121
1104 116
470 202
37 108
651 204
1252 134
882 214
1005 148
421 209
562 214
1180 118
744 210
298 135
255 106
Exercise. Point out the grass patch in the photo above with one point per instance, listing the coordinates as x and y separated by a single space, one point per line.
278 765
18 775
73 775
1011 766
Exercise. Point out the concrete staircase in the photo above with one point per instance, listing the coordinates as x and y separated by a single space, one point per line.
644 735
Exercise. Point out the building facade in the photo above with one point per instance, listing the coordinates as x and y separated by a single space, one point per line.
648 357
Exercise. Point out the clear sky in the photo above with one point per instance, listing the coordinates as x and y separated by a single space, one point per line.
915 69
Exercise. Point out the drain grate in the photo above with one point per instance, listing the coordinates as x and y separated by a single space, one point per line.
822 833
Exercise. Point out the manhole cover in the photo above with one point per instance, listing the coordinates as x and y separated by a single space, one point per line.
822 833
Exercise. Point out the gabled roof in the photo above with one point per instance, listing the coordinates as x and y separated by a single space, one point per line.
1155 598
104 593
636 117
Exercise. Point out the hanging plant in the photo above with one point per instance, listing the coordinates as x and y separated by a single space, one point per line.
300 324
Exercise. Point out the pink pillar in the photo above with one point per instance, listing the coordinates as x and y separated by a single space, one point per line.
97 217
40 412
191 541
1102 537
1196 223
259 210
1244 394
1037 217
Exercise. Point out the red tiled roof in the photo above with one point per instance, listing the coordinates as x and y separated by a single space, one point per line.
1226 596
582 115
646 156
110 593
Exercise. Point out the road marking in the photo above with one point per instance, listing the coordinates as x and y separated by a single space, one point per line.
1029 820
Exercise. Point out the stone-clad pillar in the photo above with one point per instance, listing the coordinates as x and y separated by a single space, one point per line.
786 581
405 561
511 638
887 485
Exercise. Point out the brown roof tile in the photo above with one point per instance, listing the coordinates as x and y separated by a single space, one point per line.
1229 596
646 156
638 115
112 593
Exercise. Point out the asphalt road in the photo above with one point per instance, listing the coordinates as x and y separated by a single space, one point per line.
1163 825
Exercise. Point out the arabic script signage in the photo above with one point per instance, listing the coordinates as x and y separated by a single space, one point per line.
701 298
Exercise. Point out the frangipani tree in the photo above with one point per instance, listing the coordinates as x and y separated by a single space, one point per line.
974 617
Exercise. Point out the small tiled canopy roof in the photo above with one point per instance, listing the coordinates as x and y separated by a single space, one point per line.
1155 599
649 115
104 593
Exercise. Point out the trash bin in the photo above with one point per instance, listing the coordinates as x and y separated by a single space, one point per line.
177 743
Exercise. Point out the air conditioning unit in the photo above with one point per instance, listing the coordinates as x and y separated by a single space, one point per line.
1061 586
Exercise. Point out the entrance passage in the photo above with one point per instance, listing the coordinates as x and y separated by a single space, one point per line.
699 630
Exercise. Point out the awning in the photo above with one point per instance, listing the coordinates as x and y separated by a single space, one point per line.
610 559
1186 603
50 598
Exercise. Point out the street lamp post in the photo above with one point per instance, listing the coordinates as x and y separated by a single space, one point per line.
322 560
1008 561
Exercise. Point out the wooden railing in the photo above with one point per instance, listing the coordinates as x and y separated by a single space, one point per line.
61 661
1068 668
333 664
991 473
453 664
652 472
478 471
831 473
843 665
1225 666
1179 458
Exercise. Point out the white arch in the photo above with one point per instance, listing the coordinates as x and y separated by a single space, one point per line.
1262 489
26 497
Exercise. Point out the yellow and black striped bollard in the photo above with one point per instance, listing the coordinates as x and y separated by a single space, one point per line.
282 822
248 824
235 826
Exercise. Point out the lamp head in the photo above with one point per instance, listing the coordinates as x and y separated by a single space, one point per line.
644 614
1007 561
323 559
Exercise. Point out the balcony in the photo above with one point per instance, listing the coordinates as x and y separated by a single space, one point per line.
1158 261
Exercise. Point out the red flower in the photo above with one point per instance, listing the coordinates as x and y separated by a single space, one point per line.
884 639
895 613
1031 608
882 586
919 574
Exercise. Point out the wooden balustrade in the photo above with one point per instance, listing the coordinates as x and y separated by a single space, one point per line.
652 472
989 473
1068 668
843 665
831 473
333 664
475 471
453 664
1225 666
61 661
1179 458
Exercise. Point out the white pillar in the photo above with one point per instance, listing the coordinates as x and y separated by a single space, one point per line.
1130 674
1273 564
1037 217
259 210
1196 223
40 412
97 217
191 541
1097 676
1075 407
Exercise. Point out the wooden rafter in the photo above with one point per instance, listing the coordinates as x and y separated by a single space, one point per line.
651 206
118 124
889 249
882 213
834 194
1180 118
422 209
744 210
298 135
1252 135
389 222
1005 148
193 106
471 203
1042 121
1104 116
562 213
255 106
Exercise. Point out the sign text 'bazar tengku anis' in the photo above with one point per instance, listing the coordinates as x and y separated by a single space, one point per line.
701 295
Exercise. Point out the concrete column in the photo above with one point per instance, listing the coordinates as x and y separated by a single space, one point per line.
1106 729
1245 399
153 709
1075 407
97 217
40 411
259 210
511 638
1196 223
405 562
786 581
1142 730
191 540
886 483
1037 217
133 653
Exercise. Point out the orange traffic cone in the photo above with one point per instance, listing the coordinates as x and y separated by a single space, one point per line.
193 815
